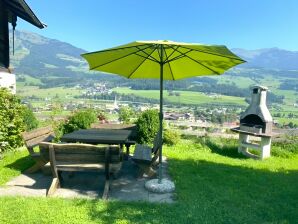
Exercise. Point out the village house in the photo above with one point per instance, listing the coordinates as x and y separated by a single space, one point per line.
8 80
10 10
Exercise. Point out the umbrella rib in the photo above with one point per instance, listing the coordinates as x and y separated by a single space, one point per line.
169 65
149 55
116 59
147 58
114 49
176 47
179 56
141 64
159 53
199 63
220 55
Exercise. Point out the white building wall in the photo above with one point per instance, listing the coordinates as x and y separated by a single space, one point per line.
8 80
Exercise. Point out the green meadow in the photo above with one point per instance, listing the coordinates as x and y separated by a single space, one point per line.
185 97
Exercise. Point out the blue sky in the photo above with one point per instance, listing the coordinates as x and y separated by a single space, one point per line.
99 24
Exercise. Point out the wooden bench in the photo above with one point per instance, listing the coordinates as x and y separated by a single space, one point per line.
32 139
146 157
82 157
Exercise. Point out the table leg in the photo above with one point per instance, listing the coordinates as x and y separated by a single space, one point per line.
121 149
127 149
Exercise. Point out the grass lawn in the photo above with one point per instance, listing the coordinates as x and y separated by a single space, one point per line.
213 185
13 163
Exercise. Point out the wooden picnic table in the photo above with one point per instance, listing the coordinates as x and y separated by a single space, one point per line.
100 136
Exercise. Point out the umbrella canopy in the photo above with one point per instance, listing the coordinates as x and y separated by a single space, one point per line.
164 60
142 59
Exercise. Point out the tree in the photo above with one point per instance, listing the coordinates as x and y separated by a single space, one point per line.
29 119
292 125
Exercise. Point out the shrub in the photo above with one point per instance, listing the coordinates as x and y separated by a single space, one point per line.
79 120
29 119
171 137
285 149
58 127
147 126
125 114
11 121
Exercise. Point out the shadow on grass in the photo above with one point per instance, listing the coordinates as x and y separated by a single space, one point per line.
222 146
213 193
225 149
21 164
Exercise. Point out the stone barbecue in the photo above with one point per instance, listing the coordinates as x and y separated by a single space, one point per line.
256 121
257 118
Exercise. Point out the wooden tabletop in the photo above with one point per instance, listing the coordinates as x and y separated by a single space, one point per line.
98 136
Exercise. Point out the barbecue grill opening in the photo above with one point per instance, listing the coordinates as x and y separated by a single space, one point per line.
252 119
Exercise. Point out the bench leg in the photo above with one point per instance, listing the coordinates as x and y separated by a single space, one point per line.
150 172
106 190
36 167
107 174
145 169
115 170
54 185
60 177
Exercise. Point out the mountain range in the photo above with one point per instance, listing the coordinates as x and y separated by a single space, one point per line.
269 58
46 58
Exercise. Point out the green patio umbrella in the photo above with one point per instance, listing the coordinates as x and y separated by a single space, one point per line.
164 60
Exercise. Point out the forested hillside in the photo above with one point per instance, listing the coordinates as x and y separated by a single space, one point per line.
51 63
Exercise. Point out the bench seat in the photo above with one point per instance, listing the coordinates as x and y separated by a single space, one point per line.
32 139
68 166
82 157
143 154
146 157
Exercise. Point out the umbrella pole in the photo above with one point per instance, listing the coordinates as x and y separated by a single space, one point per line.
160 120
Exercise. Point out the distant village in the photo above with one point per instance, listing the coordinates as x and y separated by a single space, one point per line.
195 117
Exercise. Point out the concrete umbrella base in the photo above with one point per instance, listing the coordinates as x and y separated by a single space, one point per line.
166 186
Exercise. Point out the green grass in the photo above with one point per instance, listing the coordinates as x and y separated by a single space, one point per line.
186 97
13 164
29 81
283 120
49 113
270 81
213 185
290 95
241 82
58 93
